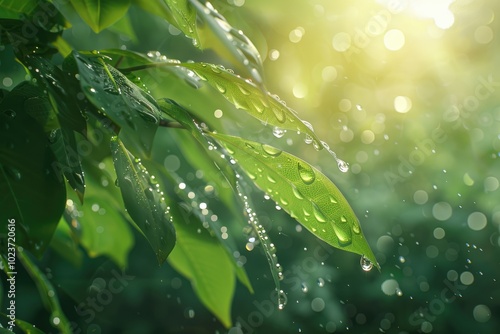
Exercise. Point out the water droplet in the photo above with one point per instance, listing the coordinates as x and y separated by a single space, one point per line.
220 88
53 136
243 90
366 264
270 179
321 282
318 214
279 114
282 299
278 132
283 201
308 139
272 151
343 233
355 228
333 200
297 192
343 166
306 174
304 287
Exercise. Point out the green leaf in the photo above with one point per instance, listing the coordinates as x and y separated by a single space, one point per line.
22 325
232 43
31 191
302 191
156 7
70 119
185 18
104 229
16 8
200 258
100 14
143 201
130 107
244 94
47 293
180 114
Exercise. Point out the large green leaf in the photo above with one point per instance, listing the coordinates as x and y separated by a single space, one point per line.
302 191
244 94
130 107
144 201
201 258
31 190
100 14
47 293
231 43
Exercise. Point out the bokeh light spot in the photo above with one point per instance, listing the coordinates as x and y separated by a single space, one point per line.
394 40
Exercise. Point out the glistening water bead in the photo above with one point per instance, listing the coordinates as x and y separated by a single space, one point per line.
366 264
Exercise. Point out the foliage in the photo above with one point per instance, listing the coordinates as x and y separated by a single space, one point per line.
84 137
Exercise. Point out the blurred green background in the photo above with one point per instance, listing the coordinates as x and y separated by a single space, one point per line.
408 93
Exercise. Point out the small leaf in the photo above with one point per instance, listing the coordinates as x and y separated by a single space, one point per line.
100 14
185 18
31 191
47 293
302 191
134 110
200 258
244 94
143 202
231 43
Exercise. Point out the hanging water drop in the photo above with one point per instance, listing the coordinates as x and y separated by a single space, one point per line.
366 264
282 299
318 214
343 166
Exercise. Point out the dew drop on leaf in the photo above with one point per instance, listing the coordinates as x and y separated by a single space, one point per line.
272 151
318 214
306 174
366 264
296 192
280 114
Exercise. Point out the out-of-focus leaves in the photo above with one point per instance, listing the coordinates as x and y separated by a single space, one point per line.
200 257
143 201
31 190
156 7
100 14
302 191
47 293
